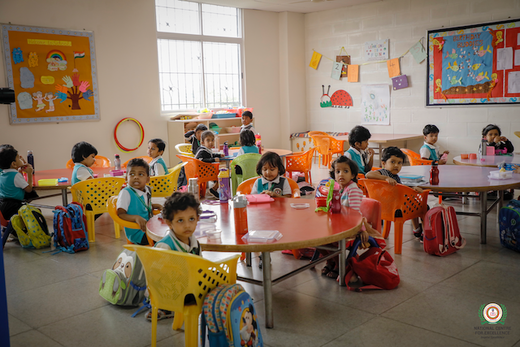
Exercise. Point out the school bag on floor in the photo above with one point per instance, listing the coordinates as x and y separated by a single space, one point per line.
230 316
509 225
125 283
441 231
70 232
31 227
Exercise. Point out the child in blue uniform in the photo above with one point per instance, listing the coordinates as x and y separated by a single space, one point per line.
248 143
134 203
359 151
156 150
272 182
84 156
430 151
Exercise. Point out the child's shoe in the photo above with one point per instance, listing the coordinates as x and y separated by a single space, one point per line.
214 193
161 314
418 233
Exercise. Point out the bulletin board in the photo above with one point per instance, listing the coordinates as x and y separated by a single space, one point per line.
53 74
474 65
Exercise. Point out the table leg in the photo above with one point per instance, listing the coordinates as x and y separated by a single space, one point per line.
64 199
268 295
380 154
483 217
248 259
342 261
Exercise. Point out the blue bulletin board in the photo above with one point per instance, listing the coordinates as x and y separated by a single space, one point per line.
474 65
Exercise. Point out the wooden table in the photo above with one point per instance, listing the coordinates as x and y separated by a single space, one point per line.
300 228
387 140
457 178
489 160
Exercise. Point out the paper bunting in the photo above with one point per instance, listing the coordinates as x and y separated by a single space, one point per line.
399 82
393 67
336 70
315 60
353 73
418 52
345 60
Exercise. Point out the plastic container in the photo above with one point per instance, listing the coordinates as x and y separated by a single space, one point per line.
48 182
115 173
321 201
240 214
464 156
223 182
483 145
498 175
434 173
225 149
117 163
233 130
193 187
262 236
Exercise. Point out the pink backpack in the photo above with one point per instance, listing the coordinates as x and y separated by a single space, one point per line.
441 231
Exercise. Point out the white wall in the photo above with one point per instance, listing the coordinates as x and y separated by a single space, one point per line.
404 22
126 49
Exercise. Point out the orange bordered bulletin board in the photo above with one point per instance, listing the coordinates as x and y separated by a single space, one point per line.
53 74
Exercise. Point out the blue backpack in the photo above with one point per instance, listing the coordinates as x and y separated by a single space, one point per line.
70 233
230 316
509 224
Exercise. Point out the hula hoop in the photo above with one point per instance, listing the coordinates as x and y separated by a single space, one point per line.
121 147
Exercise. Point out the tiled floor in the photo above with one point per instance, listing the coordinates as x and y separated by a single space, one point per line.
53 299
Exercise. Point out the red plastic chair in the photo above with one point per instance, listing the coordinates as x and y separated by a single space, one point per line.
399 204
100 162
300 162
145 157
371 210
205 172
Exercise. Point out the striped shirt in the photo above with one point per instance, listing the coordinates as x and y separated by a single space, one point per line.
385 172
351 196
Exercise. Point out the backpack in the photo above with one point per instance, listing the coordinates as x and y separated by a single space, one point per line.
509 225
70 233
441 231
231 319
31 227
125 283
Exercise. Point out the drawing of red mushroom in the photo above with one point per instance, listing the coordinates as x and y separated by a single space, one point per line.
340 98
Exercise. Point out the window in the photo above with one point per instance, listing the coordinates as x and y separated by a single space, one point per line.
199 55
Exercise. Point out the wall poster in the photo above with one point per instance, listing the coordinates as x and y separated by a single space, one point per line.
475 64
53 74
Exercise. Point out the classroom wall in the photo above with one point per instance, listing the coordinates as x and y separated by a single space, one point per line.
404 22
126 49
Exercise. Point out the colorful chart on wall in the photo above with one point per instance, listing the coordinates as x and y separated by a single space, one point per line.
53 74
474 65
375 104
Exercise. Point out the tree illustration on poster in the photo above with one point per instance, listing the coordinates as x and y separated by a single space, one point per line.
53 74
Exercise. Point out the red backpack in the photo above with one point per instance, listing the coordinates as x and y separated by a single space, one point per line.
70 232
441 231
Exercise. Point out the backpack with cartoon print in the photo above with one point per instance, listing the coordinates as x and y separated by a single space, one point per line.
509 225
31 227
125 283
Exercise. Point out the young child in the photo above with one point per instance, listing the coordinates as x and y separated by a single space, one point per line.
359 151
492 134
430 151
247 120
272 182
155 150
205 154
393 159
194 136
248 143
134 203
84 156
181 213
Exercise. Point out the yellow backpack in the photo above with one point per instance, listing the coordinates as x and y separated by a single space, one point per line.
31 227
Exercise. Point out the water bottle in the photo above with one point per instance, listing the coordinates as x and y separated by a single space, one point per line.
225 149
223 182
434 173
193 187
240 214
30 159
336 199
483 147
259 143
117 163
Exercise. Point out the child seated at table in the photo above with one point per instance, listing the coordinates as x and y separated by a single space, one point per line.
247 122
181 213
156 150
493 136
205 154
272 182
393 159
134 203
248 143
430 151
194 136
84 156
359 151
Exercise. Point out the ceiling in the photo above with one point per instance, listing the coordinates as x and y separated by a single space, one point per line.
302 6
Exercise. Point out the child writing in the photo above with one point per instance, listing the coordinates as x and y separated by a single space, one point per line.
430 151
493 137
247 122
248 143
155 150
358 151
393 159
84 156
134 203
272 182
205 154
194 136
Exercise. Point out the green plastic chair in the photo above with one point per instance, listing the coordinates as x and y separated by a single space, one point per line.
247 162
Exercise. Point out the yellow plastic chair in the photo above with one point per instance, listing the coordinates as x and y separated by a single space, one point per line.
165 185
185 149
144 157
121 223
172 277
100 162
95 193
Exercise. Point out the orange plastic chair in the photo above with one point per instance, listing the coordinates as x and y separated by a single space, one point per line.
311 134
323 149
246 186
100 162
144 157
415 158
399 204
95 192
121 223
300 162
205 172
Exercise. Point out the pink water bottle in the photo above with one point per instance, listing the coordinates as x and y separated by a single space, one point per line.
336 199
